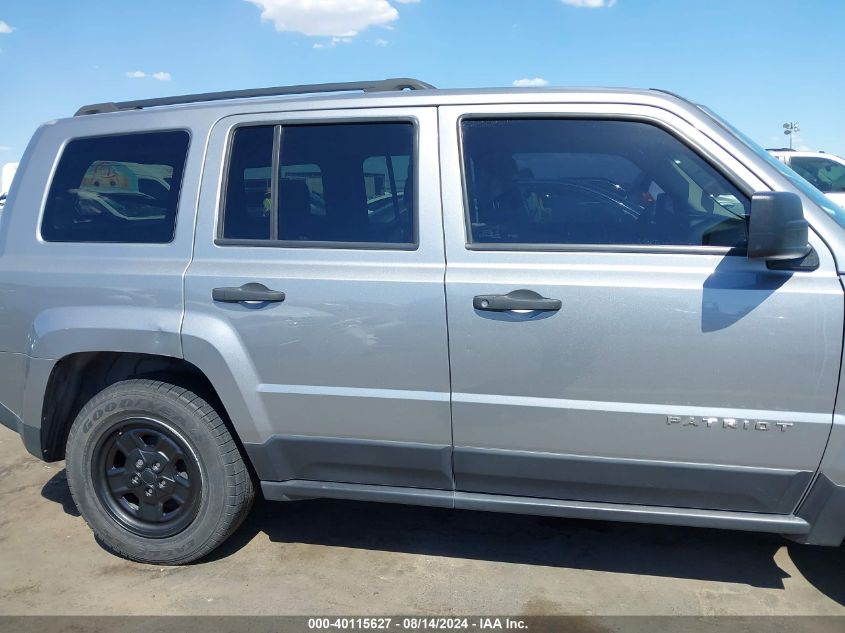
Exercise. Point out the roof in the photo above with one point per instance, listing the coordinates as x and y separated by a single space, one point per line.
384 85
416 92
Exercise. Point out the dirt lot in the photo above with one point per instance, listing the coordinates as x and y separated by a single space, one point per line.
321 557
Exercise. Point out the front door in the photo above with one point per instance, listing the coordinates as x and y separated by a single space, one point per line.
609 339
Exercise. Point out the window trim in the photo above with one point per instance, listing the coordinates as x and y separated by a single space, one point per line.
677 249
279 126
275 166
224 186
55 169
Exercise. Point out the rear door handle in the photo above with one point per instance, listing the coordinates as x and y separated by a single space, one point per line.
247 292
516 300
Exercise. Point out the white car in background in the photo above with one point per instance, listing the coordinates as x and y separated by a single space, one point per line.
6 174
826 172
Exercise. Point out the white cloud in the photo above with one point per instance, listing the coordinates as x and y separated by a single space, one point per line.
535 82
5 27
408 1
381 42
140 74
326 18
5 148
333 42
590 4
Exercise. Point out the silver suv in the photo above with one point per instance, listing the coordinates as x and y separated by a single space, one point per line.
604 304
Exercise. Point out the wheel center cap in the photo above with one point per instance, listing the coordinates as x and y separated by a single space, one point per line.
148 477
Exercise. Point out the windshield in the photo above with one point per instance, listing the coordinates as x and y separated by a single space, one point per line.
831 208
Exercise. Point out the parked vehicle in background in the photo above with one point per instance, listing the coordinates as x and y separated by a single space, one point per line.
7 173
826 172
203 295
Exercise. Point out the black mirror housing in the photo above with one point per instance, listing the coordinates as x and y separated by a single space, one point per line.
777 229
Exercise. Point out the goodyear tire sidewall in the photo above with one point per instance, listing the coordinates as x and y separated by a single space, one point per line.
100 417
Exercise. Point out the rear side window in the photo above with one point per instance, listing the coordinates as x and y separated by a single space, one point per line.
249 185
585 182
345 184
117 189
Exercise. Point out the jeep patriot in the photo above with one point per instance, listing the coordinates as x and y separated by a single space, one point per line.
594 303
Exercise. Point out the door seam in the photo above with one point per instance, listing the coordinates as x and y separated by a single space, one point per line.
446 304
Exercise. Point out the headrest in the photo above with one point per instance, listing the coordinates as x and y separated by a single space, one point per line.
294 197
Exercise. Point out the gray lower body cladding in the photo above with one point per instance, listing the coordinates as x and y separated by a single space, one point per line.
30 435
413 465
528 474
669 484
9 419
749 521
824 509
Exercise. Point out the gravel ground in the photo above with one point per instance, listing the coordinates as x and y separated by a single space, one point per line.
328 557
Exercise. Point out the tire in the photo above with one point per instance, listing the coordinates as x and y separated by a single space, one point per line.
155 472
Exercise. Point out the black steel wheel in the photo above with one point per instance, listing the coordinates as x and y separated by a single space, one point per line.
156 473
148 477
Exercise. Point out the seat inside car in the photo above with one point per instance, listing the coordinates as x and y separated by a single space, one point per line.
296 222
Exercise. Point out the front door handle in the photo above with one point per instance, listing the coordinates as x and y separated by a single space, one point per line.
516 300
247 292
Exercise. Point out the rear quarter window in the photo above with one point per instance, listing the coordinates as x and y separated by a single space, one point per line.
123 188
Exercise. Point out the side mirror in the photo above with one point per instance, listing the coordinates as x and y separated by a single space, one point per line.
777 229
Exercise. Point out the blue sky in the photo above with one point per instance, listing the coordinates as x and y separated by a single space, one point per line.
759 63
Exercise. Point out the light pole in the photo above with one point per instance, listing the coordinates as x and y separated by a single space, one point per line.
791 129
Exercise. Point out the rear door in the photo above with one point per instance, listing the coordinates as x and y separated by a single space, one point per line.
317 284
609 339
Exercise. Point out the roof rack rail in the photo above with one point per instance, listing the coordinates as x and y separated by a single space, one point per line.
672 94
378 85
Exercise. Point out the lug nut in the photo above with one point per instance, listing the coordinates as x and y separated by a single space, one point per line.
139 464
162 484
149 492
157 466
135 480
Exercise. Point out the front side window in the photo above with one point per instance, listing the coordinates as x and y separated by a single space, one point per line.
823 173
585 182
348 183
117 189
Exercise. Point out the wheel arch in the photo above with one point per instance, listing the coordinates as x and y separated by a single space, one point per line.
75 378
